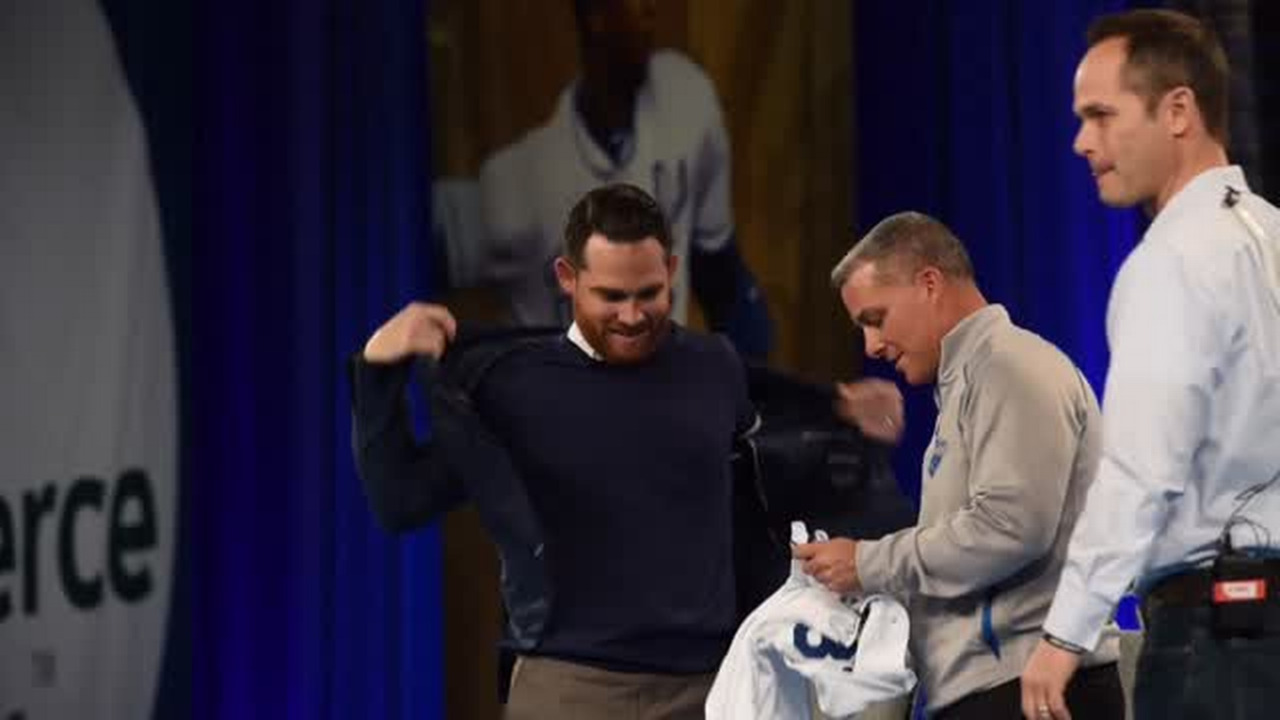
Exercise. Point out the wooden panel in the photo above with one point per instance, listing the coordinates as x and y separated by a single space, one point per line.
784 72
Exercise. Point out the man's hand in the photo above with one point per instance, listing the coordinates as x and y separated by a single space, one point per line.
874 406
833 563
1044 682
418 329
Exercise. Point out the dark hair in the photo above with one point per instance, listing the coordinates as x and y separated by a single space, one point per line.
620 212
903 243
1168 49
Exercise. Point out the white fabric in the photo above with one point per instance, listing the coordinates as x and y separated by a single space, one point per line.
1191 414
508 227
577 338
804 637
88 410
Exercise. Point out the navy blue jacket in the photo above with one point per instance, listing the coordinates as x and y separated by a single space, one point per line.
802 463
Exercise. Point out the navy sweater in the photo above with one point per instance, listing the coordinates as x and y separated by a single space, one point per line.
628 469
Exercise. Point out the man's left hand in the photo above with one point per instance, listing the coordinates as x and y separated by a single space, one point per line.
1044 682
833 563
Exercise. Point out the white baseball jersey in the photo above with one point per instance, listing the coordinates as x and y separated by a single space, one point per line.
508 227
804 636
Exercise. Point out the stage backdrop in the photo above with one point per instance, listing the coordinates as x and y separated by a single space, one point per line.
89 417
974 125
273 158
311 171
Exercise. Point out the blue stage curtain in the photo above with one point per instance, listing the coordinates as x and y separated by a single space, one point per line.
311 180
964 112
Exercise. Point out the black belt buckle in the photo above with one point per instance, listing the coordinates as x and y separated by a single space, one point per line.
1238 596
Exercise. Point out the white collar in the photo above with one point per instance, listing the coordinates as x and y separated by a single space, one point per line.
1206 188
577 338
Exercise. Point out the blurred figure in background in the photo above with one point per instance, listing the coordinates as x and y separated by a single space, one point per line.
646 117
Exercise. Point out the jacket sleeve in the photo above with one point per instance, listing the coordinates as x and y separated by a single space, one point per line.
406 482
1023 435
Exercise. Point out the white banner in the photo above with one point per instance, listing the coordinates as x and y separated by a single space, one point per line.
88 416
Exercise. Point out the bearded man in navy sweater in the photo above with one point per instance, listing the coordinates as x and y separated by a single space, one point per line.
620 433
599 461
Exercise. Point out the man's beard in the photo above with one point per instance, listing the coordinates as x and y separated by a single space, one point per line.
613 343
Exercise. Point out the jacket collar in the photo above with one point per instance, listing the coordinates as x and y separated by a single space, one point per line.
959 344
1205 189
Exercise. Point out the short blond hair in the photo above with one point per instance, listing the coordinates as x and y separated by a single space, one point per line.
901 244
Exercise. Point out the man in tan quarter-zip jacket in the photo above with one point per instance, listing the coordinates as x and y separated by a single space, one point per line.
1015 447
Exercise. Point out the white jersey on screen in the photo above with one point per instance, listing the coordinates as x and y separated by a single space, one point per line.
507 228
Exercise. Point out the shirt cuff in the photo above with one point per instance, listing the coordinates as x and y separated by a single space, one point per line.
1078 617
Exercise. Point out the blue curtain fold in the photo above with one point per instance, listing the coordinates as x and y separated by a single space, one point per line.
964 112
312 178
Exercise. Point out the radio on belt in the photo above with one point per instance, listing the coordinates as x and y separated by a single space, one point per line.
1239 594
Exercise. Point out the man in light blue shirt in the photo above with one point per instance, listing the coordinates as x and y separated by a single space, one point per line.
1191 412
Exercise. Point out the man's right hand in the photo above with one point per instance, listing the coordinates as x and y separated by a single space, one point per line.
418 329
874 406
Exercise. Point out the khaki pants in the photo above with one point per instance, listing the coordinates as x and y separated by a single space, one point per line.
546 689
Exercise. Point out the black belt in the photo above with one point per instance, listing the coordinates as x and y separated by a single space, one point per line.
1194 588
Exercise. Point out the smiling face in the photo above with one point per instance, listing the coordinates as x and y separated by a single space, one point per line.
1128 145
898 314
621 296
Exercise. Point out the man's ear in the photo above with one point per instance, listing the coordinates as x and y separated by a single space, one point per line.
673 264
566 275
1181 109
929 278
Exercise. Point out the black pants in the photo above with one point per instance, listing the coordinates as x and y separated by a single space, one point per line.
1095 693
1185 672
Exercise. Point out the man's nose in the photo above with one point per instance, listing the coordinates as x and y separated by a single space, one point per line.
873 342
1082 145
629 313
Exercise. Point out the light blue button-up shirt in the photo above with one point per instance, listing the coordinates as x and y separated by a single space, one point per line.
1191 411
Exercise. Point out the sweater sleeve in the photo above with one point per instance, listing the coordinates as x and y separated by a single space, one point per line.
1023 432
406 482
